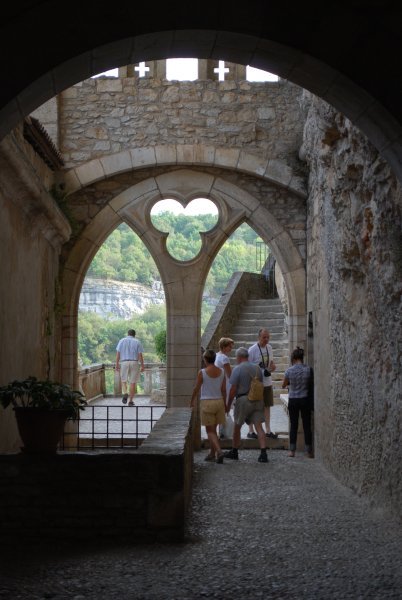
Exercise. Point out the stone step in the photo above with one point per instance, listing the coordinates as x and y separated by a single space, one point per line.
263 313
258 317
249 325
250 335
271 321
264 301
281 345
257 308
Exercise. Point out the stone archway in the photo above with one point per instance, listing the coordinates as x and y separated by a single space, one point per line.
271 169
183 281
309 71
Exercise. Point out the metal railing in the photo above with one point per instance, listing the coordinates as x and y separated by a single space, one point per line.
110 427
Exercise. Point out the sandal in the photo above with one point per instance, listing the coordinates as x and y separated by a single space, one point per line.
210 457
219 459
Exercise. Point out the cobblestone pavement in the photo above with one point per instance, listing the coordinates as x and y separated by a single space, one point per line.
282 530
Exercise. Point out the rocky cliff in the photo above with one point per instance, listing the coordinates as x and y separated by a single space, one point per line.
118 298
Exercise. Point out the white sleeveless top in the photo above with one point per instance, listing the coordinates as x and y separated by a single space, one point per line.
211 386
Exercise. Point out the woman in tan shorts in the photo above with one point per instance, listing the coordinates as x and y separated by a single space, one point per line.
211 385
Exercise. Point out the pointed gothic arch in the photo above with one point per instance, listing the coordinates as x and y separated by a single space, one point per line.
183 282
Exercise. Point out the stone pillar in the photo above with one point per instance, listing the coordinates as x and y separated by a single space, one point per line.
147 382
204 69
158 69
236 72
183 339
162 378
117 384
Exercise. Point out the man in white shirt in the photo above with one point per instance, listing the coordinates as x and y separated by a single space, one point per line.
261 354
129 357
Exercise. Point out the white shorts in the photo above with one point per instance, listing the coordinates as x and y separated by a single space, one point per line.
129 371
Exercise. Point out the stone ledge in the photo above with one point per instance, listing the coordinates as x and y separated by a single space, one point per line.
138 495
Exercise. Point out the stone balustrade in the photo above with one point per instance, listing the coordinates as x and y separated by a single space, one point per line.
92 380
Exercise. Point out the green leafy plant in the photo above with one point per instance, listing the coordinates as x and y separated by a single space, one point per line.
44 394
160 345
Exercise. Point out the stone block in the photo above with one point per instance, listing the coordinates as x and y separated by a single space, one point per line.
183 183
142 157
166 154
106 221
227 157
109 85
148 186
241 197
90 172
278 172
252 163
117 163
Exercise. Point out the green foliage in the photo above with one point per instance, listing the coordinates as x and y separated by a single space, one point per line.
43 394
160 345
124 257
98 337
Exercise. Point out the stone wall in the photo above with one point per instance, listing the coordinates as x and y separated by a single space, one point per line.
107 115
354 294
32 230
138 496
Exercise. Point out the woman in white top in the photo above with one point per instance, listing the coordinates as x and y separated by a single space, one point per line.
212 387
222 359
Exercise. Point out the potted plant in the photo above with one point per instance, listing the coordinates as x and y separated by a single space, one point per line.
41 409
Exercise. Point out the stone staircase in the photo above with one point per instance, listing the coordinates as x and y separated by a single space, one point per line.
264 313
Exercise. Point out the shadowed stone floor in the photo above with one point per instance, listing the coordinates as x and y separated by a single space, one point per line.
283 530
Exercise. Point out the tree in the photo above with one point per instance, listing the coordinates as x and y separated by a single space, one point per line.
160 345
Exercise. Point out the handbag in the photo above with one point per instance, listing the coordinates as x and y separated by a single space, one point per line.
256 391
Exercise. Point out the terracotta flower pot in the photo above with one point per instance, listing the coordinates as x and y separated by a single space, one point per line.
40 429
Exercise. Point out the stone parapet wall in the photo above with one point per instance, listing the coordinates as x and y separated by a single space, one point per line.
138 496
354 296
103 116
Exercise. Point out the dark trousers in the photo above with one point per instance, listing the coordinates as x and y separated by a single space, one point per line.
298 406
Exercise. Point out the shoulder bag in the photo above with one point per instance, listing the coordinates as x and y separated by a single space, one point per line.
256 391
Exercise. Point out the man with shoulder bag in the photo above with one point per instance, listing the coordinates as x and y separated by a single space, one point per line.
247 409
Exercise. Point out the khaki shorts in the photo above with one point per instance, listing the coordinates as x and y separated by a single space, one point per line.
212 412
129 371
268 396
248 412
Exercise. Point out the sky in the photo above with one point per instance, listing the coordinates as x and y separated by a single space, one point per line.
185 69
200 206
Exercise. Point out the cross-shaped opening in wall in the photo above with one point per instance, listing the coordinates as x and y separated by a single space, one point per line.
221 70
141 69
